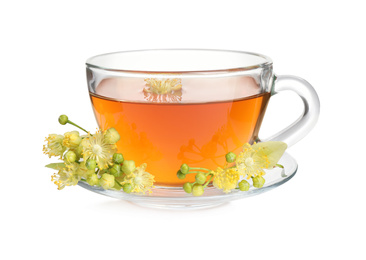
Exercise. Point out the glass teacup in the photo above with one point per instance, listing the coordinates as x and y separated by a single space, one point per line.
189 106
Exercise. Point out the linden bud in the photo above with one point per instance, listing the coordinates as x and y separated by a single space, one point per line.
118 158
201 178
197 190
258 181
116 170
107 181
184 168
187 187
127 187
244 185
91 164
128 166
63 119
230 157
70 156
111 136
181 175
92 179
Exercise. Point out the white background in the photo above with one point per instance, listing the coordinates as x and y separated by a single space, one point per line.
318 214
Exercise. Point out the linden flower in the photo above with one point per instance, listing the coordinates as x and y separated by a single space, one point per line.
83 172
227 179
162 86
66 176
54 145
96 148
72 139
140 180
253 159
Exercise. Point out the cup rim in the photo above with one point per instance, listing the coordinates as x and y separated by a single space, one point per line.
91 63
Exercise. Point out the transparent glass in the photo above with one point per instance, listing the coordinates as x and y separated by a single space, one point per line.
189 106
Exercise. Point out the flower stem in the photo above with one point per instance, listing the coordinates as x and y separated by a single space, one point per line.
118 183
209 180
197 168
72 123
195 172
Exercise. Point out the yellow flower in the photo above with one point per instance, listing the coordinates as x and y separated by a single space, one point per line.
66 176
82 171
140 180
54 145
96 148
253 159
162 86
72 139
226 179
248 163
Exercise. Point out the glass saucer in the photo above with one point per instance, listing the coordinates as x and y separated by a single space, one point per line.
176 198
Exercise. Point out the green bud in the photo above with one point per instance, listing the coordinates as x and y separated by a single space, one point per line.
118 158
91 164
197 190
92 179
70 156
187 187
127 187
181 175
128 166
116 170
244 185
63 119
184 168
201 178
258 181
107 181
111 136
230 157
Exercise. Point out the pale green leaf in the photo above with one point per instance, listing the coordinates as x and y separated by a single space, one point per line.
272 149
56 166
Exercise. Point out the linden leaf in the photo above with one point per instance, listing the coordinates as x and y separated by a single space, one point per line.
272 149
56 166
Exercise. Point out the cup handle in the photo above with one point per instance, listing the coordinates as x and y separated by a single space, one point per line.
303 125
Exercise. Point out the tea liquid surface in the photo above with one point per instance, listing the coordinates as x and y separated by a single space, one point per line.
165 135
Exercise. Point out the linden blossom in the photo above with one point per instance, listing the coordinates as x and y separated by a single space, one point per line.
96 148
93 159
163 90
162 86
249 163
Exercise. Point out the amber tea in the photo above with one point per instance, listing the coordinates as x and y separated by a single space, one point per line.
165 130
